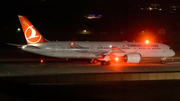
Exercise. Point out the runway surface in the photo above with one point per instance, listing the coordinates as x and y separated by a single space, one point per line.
83 81
22 68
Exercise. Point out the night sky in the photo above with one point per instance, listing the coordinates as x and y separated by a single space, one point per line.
64 20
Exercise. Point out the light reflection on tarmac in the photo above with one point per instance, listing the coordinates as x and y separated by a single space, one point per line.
37 68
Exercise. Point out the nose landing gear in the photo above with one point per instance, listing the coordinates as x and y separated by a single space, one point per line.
163 60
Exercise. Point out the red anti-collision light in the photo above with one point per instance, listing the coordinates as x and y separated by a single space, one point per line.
72 43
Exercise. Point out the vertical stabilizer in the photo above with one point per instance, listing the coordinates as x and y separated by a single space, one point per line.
30 32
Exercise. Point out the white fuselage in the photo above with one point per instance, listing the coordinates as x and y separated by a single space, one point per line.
94 50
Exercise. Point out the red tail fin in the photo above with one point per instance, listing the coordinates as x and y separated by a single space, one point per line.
30 32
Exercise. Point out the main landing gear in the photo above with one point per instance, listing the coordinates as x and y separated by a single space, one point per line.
105 62
93 61
163 60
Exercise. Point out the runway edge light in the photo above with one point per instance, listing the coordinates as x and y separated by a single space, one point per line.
41 61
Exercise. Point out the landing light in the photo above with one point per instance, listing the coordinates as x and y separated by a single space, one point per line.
147 41
117 59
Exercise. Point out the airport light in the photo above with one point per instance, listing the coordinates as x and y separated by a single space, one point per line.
93 16
150 8
18 29
41 61
84 31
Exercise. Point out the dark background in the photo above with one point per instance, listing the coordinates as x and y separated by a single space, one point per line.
64 20
121 20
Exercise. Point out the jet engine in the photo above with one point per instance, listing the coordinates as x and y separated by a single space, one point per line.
132 58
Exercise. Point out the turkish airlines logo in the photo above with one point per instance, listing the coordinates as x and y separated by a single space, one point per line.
31 36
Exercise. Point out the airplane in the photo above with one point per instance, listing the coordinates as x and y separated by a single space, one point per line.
104 52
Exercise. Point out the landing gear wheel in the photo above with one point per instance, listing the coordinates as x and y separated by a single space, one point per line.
95 61
92 61
162 61
105 62
108 63
102 63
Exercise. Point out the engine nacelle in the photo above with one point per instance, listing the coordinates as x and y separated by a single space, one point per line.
132 58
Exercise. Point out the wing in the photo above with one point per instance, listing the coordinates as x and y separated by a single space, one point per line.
105 54
17 45
115 50
21 46
112 53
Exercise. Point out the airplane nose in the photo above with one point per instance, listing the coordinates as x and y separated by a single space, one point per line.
172 53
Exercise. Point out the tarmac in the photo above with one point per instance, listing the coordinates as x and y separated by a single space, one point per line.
27 79
35 67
